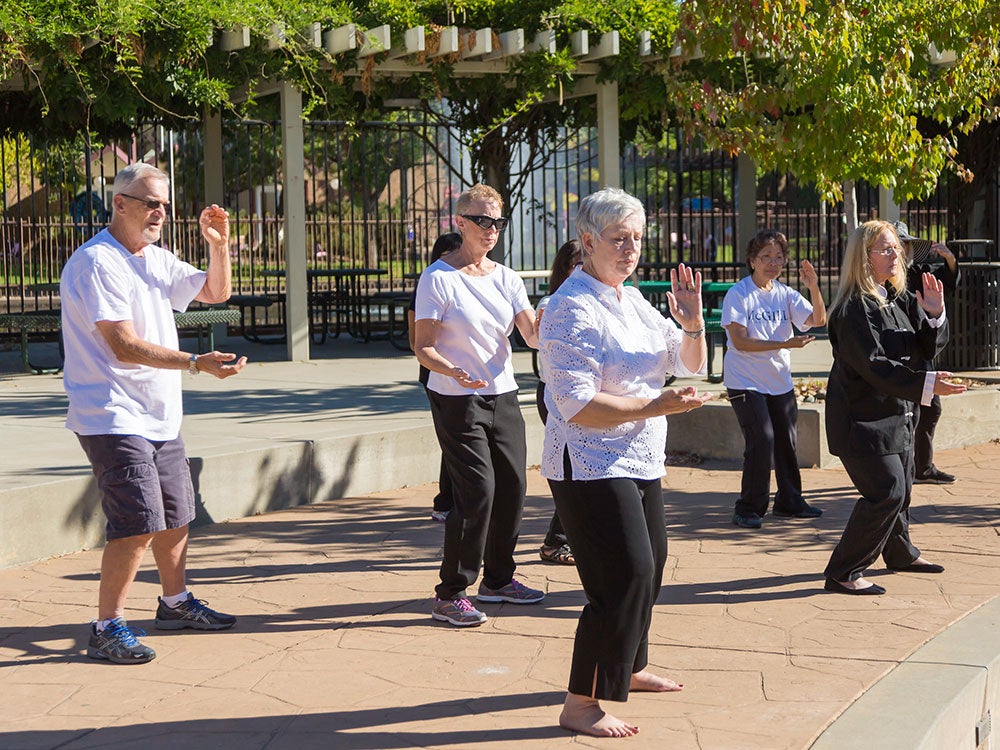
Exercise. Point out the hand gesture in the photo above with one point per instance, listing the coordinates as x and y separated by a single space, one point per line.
797 342
465 380
214 223
941 250
932 297
678 400
685 297
808 275
214 363
944 387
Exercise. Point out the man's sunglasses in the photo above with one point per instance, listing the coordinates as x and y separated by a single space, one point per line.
487 222
150 204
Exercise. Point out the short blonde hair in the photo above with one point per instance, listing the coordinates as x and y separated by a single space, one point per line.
478 192
855 270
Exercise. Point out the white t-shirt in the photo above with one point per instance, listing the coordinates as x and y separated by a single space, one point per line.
104 281
767 316
590 343
476 315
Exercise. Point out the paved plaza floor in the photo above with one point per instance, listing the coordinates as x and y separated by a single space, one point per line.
335 646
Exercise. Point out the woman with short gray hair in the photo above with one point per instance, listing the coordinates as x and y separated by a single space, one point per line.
606 352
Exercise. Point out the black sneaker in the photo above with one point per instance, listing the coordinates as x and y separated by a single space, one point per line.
748 520
935 476
806 511
117 643
191 614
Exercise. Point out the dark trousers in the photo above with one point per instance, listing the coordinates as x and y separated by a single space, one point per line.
443 500
926 419
619 538
482 442
555 536
880 521
770 430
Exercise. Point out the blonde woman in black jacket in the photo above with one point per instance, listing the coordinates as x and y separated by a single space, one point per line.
880 333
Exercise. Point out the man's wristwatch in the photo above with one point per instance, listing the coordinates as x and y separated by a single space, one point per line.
193 365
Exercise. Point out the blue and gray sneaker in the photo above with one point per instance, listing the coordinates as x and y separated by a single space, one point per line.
191 614
118 643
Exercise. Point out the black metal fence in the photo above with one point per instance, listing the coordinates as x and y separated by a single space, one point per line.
379 193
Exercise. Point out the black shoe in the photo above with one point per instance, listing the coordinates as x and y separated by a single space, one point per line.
839 588
117 643
806 511
747 521
191 613
934 476
920 568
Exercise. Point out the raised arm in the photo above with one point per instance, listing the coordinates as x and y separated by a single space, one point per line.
214 223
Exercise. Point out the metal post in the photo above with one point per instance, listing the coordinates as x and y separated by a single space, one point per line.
888 210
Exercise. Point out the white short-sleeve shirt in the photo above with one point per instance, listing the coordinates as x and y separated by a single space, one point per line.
476 315
767 315
591 342
102 281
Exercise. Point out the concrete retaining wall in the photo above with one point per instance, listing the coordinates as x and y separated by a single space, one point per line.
62 516
971 418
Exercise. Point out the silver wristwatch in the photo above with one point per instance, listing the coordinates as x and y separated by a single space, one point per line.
193 365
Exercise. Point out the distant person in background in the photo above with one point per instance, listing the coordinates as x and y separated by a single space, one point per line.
878 331
758 314
555 548
443 500
919 254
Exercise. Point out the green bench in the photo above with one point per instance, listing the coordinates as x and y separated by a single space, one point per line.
199 320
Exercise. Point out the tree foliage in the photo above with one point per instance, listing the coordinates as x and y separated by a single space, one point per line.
837 89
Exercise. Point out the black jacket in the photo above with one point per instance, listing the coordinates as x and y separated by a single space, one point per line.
875 380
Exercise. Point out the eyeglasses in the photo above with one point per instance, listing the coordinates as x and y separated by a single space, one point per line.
487 222
773 260
888 251
150 203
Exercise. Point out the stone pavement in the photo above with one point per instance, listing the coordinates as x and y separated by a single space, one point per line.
335 647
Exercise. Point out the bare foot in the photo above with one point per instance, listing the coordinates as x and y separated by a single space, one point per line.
585 716
646 682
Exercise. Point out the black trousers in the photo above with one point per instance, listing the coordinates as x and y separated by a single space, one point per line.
443 500
482 442
926 418
555 536
770 431
880 521
619 538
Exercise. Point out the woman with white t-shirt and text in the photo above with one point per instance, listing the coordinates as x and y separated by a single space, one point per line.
758 314
467 306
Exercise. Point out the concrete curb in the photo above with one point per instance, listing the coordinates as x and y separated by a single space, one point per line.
941 697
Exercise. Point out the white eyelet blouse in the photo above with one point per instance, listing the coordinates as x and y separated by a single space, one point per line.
591 342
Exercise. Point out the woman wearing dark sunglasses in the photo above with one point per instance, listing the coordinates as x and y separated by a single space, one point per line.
467 306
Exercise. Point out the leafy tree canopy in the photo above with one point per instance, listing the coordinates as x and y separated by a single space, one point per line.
837 89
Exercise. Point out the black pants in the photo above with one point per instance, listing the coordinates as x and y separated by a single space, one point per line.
555 536
619 538
926 419
880 521
770 430
482 442
443 500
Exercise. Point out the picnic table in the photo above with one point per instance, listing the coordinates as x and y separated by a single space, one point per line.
200 320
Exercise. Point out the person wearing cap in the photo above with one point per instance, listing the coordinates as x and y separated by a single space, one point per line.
919 253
